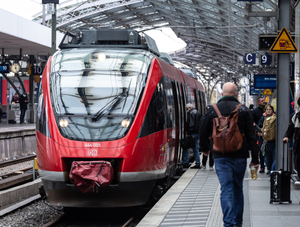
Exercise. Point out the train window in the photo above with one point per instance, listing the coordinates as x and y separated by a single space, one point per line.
190 98
97 91
170 102
41 122
156 119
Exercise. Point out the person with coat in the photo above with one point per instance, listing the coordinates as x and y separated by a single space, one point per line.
15 98
0 112
294 131
231 167
23 106
193 121
270 148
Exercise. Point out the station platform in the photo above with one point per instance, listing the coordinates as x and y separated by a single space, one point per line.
5 127
194 200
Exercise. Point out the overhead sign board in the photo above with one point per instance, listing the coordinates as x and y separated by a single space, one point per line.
4 68
50 1
250 58
284 43
37 70
254 91
265 60
264 81
266 40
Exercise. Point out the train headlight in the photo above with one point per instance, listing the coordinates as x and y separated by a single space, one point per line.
63 123
101 57
125 123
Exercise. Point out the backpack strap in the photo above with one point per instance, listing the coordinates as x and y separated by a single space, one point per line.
217 110
237 107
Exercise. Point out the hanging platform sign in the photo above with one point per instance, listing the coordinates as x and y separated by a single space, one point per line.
268 92
284 43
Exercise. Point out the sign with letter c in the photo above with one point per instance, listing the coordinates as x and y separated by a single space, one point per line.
250 58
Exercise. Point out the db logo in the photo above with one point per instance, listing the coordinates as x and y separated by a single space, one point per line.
92 152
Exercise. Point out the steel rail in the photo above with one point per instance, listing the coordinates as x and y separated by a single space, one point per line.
17 161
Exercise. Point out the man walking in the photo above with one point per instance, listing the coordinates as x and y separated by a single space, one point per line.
257 113
293 131
230 167
193 121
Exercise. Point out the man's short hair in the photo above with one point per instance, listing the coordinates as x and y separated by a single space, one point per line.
189 105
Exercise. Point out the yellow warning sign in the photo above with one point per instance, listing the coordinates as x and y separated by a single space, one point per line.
268 92
284 43
29 69
267 99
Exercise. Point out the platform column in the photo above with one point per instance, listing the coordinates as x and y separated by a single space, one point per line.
283 89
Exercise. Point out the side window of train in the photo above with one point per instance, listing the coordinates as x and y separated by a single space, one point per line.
170 102
155 119
41 114
199 102
190 95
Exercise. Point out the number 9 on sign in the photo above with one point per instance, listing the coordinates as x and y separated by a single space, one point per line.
265 59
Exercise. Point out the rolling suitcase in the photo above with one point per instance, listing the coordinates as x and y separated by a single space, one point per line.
281 184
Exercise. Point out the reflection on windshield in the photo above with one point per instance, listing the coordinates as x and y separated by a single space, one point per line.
97 83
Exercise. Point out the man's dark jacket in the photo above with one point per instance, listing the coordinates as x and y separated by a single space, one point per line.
23 104
294 130
193 122
257 113
245 122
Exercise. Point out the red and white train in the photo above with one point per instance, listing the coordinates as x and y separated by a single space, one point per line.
107 96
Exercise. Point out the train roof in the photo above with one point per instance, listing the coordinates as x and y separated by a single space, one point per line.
120 38
175 74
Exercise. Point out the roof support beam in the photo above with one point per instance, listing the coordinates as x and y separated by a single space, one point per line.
263 14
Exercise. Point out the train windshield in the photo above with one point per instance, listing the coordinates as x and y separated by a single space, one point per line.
95 92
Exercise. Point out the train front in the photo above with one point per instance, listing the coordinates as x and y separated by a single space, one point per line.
88 111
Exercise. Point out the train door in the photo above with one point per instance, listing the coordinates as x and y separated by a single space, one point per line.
184 98
179 119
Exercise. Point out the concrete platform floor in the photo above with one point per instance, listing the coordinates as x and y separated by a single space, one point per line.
194 200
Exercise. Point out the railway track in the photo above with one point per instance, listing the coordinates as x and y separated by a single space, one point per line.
13 172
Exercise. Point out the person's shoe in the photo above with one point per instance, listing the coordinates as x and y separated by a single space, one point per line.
262 171
238 225
196 167
211 168
203 167
297 182
269 173
186 165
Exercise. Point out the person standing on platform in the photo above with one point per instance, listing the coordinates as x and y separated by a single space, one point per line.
294 130
15 98
257 113
231 167
23 106
0 112
269 137
193 121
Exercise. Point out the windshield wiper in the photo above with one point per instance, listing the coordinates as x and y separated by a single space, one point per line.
109 107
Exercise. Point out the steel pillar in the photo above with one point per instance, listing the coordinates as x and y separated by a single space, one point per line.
283 98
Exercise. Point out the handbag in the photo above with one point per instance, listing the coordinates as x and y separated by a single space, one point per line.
187 142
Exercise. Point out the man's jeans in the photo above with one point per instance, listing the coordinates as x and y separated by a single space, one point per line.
23 111
231 172
185 153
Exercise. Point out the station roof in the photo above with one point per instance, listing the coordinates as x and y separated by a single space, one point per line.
218 33
18 33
